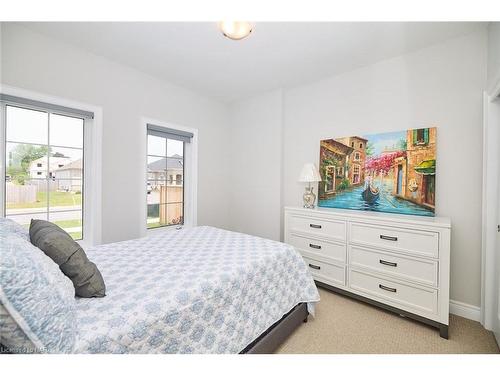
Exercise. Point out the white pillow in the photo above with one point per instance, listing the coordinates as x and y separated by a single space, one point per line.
10 226
36 297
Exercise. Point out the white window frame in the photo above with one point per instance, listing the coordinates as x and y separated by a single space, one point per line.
92 222
190 176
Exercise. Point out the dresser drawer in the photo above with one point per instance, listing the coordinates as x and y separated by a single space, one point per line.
318 227
318 249
391 292
326 272
407 240
413 269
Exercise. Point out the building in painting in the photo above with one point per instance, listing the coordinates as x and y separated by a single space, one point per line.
415 173
356 171
334 166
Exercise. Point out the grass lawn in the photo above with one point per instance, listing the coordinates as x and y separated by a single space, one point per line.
66 224
69 223
57 198
75 223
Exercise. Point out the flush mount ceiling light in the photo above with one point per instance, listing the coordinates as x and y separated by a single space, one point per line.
235 30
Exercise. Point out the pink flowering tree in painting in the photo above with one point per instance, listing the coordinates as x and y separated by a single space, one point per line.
381 165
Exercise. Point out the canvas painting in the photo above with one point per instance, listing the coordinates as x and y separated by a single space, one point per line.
388 172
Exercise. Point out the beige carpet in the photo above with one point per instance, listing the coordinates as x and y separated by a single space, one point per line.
344 325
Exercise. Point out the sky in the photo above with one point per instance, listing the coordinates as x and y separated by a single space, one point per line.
381 141
28 126
157 146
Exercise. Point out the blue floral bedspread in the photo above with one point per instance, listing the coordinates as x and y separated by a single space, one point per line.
194 290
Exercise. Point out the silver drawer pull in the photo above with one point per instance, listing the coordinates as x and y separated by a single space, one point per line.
315 246
315 267
386 263
315 226
393 290
388 238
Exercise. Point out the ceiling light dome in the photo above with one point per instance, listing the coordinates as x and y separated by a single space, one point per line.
235 30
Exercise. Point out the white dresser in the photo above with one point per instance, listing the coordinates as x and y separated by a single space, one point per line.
397 262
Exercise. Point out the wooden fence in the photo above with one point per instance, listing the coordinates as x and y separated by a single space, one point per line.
20 193
171 213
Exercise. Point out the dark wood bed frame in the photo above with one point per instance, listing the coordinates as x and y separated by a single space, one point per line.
275 335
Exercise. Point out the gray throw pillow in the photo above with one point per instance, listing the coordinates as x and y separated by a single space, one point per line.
69 256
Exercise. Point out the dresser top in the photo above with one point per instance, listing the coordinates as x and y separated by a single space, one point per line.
437 221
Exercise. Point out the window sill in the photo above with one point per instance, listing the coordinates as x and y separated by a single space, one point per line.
153 231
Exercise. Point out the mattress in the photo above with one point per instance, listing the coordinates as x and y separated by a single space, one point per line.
194 290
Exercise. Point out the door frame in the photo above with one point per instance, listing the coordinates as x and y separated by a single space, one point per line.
490 204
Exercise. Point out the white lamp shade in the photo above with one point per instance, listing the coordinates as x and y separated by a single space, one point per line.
309 173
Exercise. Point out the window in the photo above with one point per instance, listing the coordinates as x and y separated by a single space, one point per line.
421 136
40 135
330 179
360 145
356 169
340 171
165 157
356 155
352 144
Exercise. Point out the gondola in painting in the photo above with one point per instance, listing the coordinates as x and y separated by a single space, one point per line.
391 172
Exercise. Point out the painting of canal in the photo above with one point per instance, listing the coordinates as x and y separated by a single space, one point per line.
388 172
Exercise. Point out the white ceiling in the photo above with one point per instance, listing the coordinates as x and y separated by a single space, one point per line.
195 55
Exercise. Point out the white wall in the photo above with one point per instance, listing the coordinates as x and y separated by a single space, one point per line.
493 53
255 193
438 86
37 63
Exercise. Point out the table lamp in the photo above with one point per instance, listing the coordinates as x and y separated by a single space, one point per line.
309 174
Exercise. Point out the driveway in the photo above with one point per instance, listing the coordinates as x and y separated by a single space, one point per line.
58 213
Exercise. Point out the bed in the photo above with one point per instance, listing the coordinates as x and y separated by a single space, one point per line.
195 290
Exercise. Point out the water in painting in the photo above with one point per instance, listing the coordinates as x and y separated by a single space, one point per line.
388 172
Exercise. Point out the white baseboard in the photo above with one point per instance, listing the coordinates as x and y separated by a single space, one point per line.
465 310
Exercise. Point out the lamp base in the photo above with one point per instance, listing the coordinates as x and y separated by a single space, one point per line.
309 198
